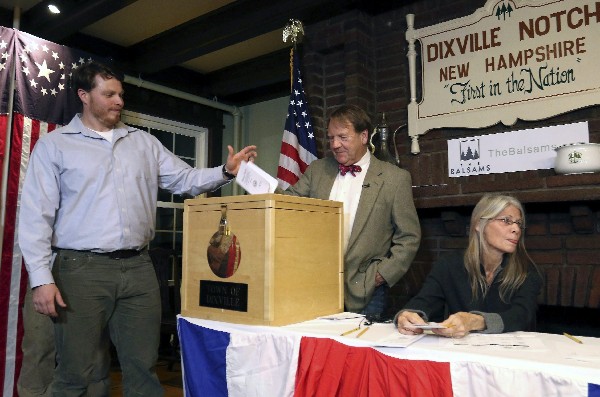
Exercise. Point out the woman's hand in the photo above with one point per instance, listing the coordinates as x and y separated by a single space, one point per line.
405 321
458 325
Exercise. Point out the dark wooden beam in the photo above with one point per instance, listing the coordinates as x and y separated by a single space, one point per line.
157 59
231 24
74 16
266 70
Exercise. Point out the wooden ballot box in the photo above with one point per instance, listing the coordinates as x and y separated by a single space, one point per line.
265 259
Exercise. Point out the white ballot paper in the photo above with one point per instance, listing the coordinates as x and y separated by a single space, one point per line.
254 180
430 325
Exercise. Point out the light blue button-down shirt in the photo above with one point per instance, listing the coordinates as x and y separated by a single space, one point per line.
82 192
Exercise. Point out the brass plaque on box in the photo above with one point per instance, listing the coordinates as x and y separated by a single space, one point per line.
222 295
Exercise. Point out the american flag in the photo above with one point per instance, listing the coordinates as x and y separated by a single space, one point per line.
43 101
298 146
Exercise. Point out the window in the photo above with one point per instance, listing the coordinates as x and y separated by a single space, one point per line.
187 141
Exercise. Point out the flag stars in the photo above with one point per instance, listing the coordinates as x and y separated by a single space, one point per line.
5 55
3 44
33 83
81 60
44 70
296 92
61 65
53 92
55 55
44 91
304 113
25 70
61 86
45 48
2 66
311 135
292 102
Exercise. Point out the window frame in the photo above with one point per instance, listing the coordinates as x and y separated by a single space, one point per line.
150 123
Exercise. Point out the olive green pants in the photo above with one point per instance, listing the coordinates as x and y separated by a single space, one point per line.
106 298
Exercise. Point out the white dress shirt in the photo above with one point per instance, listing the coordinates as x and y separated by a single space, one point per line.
347 189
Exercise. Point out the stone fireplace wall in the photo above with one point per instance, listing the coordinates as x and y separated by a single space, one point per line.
361 59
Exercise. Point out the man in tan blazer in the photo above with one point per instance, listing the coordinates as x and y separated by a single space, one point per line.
381 227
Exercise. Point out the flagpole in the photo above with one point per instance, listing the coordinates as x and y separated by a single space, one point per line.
298 144
8 134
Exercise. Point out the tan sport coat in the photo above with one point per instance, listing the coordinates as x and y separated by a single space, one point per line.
386 233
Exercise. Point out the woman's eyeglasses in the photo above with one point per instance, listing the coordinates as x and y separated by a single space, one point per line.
508 221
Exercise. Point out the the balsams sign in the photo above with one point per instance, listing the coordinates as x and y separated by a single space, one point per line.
523 150
509 60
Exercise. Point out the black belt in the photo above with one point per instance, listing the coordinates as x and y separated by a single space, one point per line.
118 254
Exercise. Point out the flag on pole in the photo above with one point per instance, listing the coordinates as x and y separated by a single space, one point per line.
43 101
298 146
8 308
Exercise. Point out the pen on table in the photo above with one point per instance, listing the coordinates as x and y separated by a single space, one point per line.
574 339
362 332
350 331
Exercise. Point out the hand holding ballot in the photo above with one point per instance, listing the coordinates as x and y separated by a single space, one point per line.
254 180
455 326
410 323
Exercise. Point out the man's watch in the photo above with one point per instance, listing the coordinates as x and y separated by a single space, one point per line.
226 174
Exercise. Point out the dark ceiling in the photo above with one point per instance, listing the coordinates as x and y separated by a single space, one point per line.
229 50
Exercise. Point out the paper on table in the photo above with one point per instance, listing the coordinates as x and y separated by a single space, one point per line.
379 334
342 316
387 335
511 340
254 180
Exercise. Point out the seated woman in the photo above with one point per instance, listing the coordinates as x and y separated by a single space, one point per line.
491 288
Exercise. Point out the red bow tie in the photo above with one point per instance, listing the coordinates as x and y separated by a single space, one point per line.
344 169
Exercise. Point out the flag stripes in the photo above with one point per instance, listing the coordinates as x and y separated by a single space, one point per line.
298 146
25 134
42 102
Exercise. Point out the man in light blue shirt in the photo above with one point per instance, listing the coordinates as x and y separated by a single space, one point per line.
87 213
